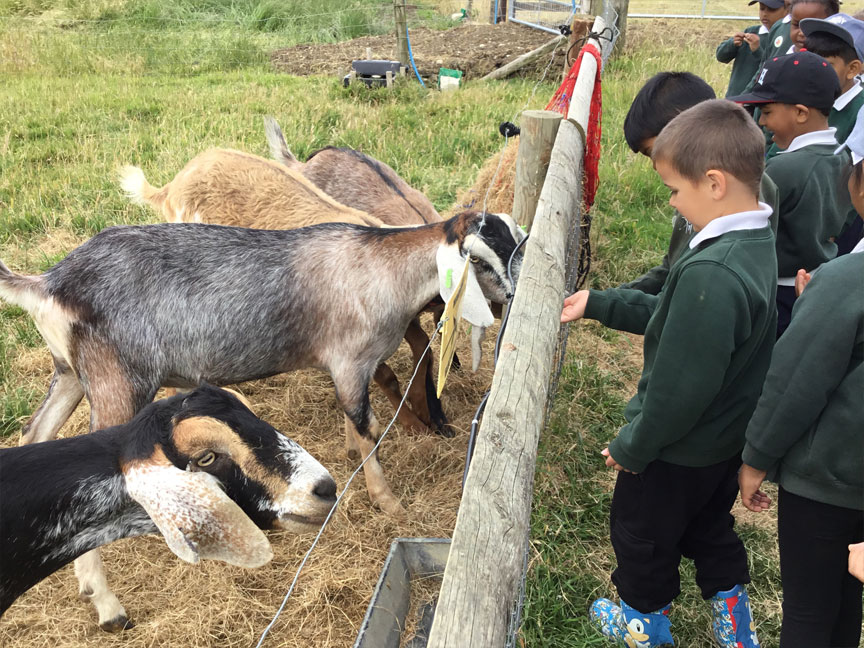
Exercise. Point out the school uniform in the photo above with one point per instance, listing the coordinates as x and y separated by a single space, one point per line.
652 281
813 207
744 61
807 434
707 346
777 43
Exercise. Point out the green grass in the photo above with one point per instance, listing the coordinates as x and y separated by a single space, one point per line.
89 86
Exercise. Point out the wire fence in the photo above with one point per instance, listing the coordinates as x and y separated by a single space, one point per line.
701 9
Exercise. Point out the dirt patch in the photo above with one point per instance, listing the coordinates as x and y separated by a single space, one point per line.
475 49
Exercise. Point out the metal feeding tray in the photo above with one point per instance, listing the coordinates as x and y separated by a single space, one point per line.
373 73
409 559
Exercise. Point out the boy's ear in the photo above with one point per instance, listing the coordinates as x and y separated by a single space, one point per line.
854 69
717 183
803 113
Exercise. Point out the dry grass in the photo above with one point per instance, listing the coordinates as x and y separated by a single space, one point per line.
494 184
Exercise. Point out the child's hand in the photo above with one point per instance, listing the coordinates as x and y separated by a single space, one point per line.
574 306
749 481
611 463
738 39
856 560
801 281
752 41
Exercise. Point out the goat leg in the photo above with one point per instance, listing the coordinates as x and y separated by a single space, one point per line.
63 396
389 384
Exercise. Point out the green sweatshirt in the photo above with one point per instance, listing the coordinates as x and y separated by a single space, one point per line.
652 281
776 44
746 61
808 428
813 205
708 341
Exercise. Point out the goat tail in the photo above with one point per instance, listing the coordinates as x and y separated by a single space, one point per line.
276 140
24 291
137 189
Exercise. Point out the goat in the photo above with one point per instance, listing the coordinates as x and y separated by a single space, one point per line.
356 179
227 187
199 468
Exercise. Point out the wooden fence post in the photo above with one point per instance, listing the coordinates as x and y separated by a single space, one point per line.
484 569
401 32
536 139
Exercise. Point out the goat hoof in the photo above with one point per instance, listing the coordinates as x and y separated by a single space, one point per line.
117 624
392 507
445 431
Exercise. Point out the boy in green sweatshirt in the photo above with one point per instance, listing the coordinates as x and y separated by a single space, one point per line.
807 436
744 49
796 93
708 340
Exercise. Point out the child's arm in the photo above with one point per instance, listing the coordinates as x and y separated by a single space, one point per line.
728 49
620 308
809 361
692 357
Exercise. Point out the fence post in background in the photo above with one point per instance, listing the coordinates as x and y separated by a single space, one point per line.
622 7
538 129
401 32
497 11
484 571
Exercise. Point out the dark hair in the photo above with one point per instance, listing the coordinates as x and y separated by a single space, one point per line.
715 134
664 96
825 45
831 6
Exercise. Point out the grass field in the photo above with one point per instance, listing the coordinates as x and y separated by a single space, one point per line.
91 85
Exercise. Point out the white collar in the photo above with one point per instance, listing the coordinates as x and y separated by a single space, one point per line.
749 220
843 100
791 49
763 29
786 18
858 248
809 139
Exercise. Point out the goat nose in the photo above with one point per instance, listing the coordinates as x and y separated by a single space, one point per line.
325 489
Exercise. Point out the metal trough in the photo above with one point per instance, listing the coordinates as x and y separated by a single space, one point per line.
409 559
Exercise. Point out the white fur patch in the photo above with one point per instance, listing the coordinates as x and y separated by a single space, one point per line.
306 474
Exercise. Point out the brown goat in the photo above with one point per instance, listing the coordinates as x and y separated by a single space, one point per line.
228 187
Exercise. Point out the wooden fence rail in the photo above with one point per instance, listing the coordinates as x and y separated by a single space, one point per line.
485 565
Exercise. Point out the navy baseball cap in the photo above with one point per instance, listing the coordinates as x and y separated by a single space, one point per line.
843 26
801 78
773 4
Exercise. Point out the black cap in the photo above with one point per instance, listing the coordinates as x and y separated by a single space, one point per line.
773 4
801 78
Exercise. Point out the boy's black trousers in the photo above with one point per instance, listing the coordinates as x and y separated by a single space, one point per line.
821 599
668 511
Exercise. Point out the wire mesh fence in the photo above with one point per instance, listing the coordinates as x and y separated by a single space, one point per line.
704 9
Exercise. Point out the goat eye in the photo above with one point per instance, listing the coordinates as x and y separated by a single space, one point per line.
206 460
474 259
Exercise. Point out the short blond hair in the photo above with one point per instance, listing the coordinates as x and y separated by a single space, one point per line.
716 134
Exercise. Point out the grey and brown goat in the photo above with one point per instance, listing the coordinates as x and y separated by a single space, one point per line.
227 187
198 468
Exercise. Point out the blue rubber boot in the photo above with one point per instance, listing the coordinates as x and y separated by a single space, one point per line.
629 628
733 621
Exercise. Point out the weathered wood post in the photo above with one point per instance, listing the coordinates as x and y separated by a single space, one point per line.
484 569
401 31
538 129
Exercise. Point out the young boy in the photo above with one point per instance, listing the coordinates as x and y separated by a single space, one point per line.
839 39
708 341
662 98
796 93
745 48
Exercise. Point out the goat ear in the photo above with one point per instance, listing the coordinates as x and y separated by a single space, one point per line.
196 518
451 263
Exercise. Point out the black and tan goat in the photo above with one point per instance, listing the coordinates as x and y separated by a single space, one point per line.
227 187
198 468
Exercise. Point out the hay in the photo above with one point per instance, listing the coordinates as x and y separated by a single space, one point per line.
213 604
499 184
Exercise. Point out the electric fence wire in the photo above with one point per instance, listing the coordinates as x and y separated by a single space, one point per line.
345 489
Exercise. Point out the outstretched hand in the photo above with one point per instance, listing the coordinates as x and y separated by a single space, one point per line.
801 281
749 481
574 306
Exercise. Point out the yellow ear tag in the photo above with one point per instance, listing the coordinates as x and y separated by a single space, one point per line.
449 328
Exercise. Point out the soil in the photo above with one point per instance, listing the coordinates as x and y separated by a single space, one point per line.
475 49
